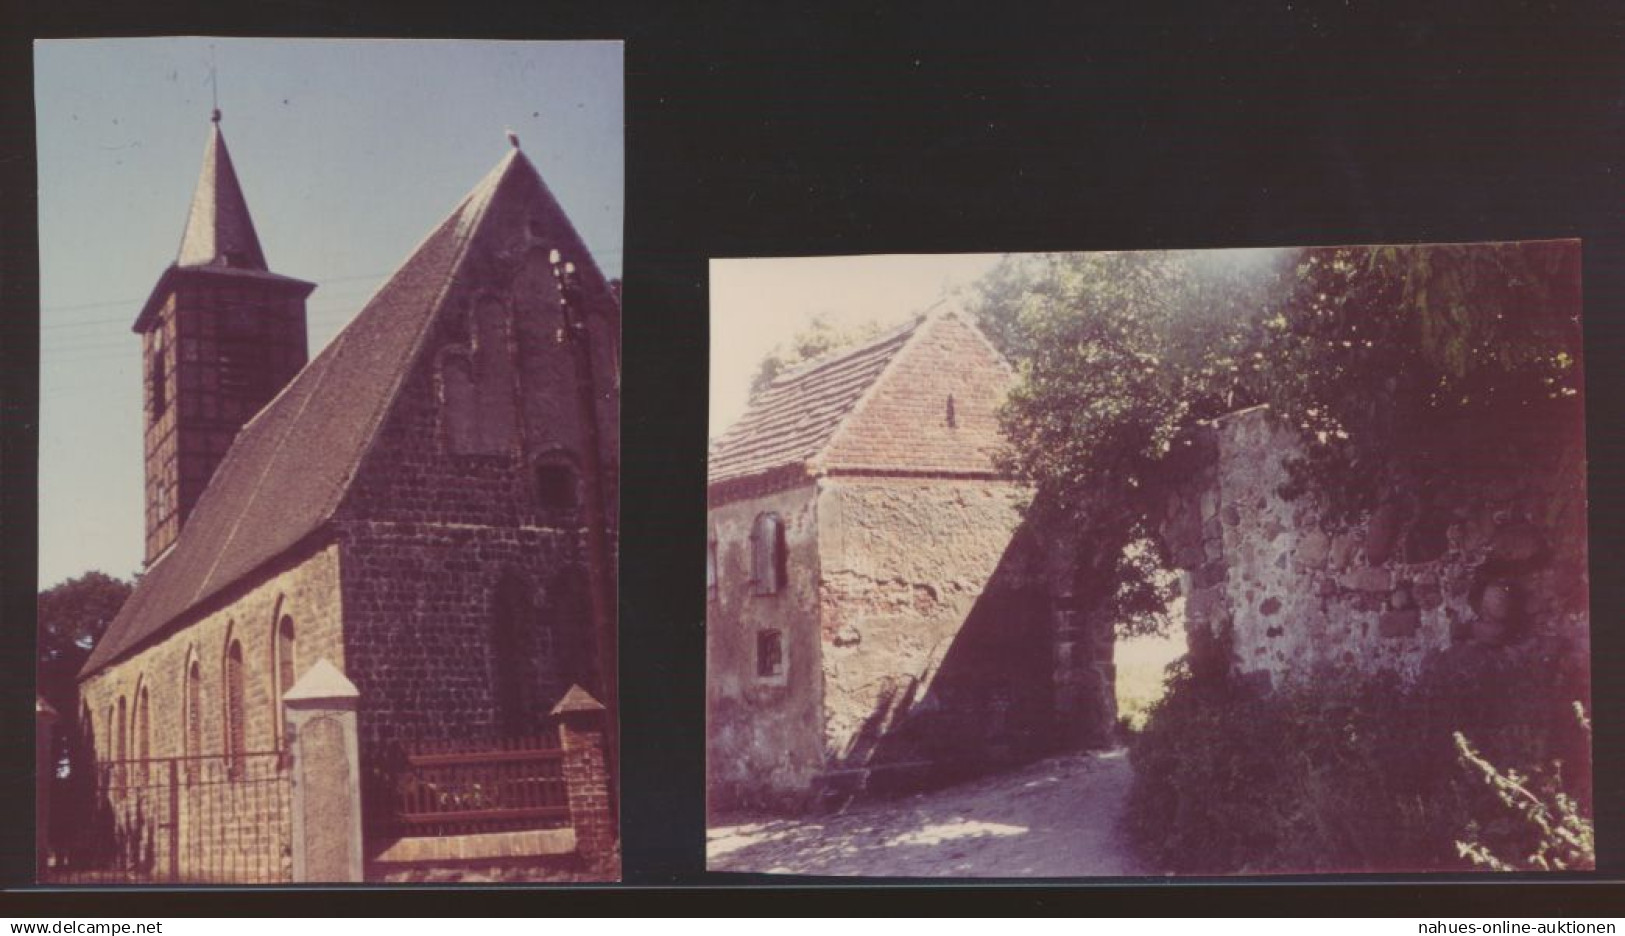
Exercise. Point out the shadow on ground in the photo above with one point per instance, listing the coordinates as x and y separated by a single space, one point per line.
1055 818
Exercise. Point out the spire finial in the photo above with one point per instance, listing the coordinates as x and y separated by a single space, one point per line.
513 138
214 87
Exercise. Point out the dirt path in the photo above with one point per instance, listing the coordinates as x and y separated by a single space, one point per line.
1055 818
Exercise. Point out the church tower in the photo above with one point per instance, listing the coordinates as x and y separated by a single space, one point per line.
220 336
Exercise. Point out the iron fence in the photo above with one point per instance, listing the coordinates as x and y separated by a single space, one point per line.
205 819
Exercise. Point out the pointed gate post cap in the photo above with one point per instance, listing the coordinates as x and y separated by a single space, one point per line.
321 683
577 701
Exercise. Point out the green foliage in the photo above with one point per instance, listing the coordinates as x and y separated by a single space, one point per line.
820 337
71 617
1398 363
1566 836
1425 361
1341 772
1117 355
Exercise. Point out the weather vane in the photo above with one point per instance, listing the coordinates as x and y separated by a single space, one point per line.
214 86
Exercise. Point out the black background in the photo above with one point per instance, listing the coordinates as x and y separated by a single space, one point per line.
767 129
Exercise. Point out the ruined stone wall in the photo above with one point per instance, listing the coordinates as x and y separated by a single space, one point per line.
763 734
1498 562
935 623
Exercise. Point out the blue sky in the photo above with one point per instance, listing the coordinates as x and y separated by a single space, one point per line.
349 152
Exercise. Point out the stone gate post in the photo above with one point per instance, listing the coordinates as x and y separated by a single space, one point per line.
320 715
586 774
44 774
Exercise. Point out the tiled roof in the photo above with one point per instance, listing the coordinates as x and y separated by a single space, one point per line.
290 466
794 418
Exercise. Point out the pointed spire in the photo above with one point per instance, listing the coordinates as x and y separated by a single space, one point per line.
219 231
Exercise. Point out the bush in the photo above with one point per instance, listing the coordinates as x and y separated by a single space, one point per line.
1342 771
1566 838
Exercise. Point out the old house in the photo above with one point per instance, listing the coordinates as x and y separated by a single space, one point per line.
428 505
878 612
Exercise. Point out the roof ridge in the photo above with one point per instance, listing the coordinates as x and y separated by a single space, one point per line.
836 356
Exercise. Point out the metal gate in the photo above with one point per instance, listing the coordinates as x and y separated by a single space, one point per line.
206 819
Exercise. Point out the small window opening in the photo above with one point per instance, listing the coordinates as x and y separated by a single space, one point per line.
769 654
556 487
768 564
951 421
157 385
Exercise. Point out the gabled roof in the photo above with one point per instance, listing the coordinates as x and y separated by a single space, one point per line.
919 400
792 420
289 468
219 231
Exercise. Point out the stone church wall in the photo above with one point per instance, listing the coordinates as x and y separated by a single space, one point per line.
1435 566
307 590
764 734
446 530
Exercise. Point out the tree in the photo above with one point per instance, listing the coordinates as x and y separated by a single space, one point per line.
1117 355
819 337
1430 361
72 617
1396 363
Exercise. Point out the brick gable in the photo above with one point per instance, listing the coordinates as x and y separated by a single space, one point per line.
903 422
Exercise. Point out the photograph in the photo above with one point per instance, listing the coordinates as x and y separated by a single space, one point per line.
329 448
1253 561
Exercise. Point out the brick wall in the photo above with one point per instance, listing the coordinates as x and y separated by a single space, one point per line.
446 515
904 421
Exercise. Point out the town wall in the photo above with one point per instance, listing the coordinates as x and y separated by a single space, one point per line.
1496 562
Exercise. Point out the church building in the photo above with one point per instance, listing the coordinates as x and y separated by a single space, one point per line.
429 504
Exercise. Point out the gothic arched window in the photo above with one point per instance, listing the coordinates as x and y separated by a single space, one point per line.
283 670
235 733
143 731
121 741
194 717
